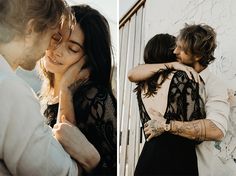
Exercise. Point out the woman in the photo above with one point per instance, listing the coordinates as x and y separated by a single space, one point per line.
91 105
176 97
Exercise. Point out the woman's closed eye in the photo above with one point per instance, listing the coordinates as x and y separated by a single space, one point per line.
74 49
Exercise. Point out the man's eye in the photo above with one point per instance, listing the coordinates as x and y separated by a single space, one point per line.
57 37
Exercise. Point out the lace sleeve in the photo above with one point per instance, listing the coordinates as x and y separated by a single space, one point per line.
95 110
184 101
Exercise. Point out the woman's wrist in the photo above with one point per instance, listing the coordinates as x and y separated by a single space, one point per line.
65 91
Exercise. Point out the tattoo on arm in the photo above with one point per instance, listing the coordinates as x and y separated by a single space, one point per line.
200 130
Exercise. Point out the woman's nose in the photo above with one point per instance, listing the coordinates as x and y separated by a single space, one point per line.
58 50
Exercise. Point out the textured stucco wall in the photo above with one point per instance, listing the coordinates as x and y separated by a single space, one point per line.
168 16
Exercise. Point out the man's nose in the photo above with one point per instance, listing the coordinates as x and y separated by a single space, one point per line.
175 50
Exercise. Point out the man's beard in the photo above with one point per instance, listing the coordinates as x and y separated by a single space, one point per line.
190 64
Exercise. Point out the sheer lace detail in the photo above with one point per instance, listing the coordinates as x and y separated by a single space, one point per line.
184 102
95 111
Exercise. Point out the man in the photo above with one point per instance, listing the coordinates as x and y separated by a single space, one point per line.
195 47
27 146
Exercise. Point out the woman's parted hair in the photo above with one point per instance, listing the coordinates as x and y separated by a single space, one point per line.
97 43
199 40
15 14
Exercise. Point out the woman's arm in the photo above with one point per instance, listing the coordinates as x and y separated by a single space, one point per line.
70 82
66 107
145 71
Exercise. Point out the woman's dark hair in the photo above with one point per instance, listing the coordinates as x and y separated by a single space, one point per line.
97 43
159 49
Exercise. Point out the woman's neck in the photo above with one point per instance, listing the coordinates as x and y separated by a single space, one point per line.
56 86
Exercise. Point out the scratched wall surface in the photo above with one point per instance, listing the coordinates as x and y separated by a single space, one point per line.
168 16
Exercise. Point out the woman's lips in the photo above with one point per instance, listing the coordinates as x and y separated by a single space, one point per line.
54 61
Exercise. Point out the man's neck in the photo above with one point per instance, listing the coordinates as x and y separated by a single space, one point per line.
10 54
198 67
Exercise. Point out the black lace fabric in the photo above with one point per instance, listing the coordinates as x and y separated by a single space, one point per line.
95 111
184 101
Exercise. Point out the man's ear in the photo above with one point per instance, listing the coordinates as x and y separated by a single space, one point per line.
198 58
29 27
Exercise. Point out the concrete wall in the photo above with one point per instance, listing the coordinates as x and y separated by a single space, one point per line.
168 16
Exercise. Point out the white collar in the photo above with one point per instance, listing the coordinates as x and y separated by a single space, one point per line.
4 65
205 74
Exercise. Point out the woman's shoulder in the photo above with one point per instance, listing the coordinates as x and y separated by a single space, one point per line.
181 74
91 92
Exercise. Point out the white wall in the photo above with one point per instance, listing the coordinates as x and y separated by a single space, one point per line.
169 16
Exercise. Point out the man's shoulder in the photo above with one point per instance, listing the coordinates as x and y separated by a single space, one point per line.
216 82
14 85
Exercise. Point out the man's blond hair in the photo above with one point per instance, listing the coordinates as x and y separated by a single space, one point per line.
15 15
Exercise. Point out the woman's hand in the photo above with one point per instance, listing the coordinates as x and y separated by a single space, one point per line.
192 74
70 82
75 75
154 127
76 144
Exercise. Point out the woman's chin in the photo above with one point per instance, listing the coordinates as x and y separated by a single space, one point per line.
54 70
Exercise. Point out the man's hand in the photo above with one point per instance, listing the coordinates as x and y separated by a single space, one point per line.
154 127
76 144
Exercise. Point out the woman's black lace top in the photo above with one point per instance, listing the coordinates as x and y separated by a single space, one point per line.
184 102
95 112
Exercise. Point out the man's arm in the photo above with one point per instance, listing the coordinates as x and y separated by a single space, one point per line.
200 130
212 128
82 150
27 145
203 130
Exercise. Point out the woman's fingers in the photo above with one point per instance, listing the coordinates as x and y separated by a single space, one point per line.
83 75
150 137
